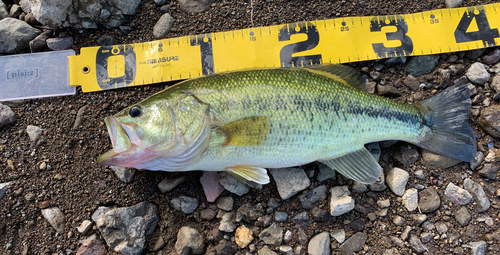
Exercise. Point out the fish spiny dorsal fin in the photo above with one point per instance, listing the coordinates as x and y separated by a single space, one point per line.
341 73
251 131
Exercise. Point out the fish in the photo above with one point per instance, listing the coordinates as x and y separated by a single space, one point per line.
245 122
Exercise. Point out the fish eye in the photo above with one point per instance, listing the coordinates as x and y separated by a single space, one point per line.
135 111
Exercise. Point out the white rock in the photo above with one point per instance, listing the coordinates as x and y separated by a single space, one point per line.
319 244
453 3
34 132
478 74
339 235
340 202
396 179
410 199
56 218
290 181
85 226
3 189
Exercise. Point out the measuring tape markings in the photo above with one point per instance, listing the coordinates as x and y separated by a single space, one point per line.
341 40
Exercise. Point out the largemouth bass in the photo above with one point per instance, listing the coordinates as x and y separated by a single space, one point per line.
246 121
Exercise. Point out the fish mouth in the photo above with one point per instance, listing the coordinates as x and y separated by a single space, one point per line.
119 139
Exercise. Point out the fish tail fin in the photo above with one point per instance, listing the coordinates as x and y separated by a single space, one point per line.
447 131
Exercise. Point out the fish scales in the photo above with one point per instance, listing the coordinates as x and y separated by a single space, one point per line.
310 116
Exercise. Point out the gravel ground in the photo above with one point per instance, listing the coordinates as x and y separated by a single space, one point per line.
60 169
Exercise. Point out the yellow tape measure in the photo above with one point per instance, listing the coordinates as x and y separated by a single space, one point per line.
338 40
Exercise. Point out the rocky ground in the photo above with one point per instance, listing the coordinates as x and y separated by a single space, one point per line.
55 199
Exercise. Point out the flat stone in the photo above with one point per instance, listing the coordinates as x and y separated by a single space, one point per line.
167 185
410 199
189 240
490 120
411 82
34 132
477 160
56 218
195 6
125 174
387 91
396 179
489 171
184 204
243 236
309 199
232 184
417 245
340 201
477 73
319 244
207 214
441 227
211 186
480 198
426 237
91 246
428 200
354 244
290 181
266 251
457 195
280 216
438 161
225 203
421 64
60 43
272 235
125 229
477 248
338 235
463 216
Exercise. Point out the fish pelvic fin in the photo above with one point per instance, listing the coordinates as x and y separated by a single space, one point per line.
251 131
359 166
446 130
249 174
341 73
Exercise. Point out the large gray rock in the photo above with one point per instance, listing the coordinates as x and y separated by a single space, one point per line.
3 11
189 240
163 26
7 116
272 235
60 43
51 13
290 181
195 6
125 229
16 35
354 244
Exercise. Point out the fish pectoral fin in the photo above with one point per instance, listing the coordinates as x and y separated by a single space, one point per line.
341 73
359 166
249 173
249 131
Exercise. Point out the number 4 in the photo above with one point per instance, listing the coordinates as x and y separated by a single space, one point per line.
484 33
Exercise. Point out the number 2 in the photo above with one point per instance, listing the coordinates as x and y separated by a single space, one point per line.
312 41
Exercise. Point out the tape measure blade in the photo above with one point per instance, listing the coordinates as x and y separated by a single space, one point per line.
35 75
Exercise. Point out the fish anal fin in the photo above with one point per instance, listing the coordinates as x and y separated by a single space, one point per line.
250 131
341 73
359 166
249 173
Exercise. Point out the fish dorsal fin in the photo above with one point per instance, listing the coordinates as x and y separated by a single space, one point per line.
341 73
359 166
249 174
250 131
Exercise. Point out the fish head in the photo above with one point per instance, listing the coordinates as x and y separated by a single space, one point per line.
157 132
